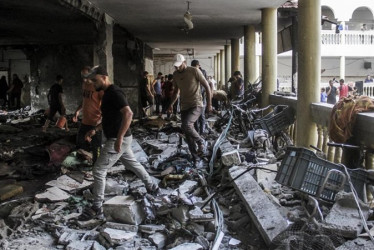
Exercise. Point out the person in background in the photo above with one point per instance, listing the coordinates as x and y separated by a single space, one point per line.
368 79
353 89
157 92
343 89
237 86
15 92
200 124
167 93
331 92
55 102
146 96
91 113
323 95
3 91
213 82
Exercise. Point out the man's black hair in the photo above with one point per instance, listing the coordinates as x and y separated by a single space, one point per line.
194 63
59 77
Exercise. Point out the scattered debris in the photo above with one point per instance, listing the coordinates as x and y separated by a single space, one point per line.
232 204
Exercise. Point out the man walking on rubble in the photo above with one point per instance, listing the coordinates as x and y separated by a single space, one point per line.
91 113
55 102
116 120
201 123
187 82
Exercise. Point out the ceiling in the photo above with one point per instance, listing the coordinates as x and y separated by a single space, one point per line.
42 22
158 23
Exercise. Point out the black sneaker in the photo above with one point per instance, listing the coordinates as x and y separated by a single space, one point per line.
153 189
90 213
202 148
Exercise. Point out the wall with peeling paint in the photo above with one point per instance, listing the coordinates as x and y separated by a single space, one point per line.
128 65
49 61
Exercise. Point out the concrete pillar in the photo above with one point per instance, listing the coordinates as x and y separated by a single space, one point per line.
219 83
342 67
249 55
103 45
235 63
223 80
269 54
227 62
309 76
295 52
258 61
215 68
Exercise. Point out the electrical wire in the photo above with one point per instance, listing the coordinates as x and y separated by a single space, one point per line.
217 144
355 196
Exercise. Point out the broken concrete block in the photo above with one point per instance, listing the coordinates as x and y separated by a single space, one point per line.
9 191
136 184
52 194
234 242
120 226
197 215
343 218
96 246
89 224
124 209
357 244
173 138
266 178
180 213
139 153
71 216
159 239
187 186
226 146
189 246
137 243
150 229
68 237
117 237
168 152
80 245
202 241
266 217
231 158
112 187
68 184
198 229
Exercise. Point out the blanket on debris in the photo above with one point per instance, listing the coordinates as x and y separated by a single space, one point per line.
343 116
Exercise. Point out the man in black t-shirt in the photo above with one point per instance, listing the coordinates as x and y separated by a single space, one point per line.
331 93
116 120
55 102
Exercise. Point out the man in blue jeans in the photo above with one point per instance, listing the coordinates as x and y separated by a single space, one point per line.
188 82
116 120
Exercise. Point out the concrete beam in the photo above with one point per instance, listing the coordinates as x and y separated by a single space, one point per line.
266 217
85 7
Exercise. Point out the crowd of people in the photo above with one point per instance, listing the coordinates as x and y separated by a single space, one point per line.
10 95
332 94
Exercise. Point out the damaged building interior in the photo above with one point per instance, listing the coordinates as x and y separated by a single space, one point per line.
275 170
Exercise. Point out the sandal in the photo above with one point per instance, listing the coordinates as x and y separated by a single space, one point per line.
90 213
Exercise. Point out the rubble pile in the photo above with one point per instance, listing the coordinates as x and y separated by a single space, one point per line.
232 202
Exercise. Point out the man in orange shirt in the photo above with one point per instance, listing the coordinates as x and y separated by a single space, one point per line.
91 117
